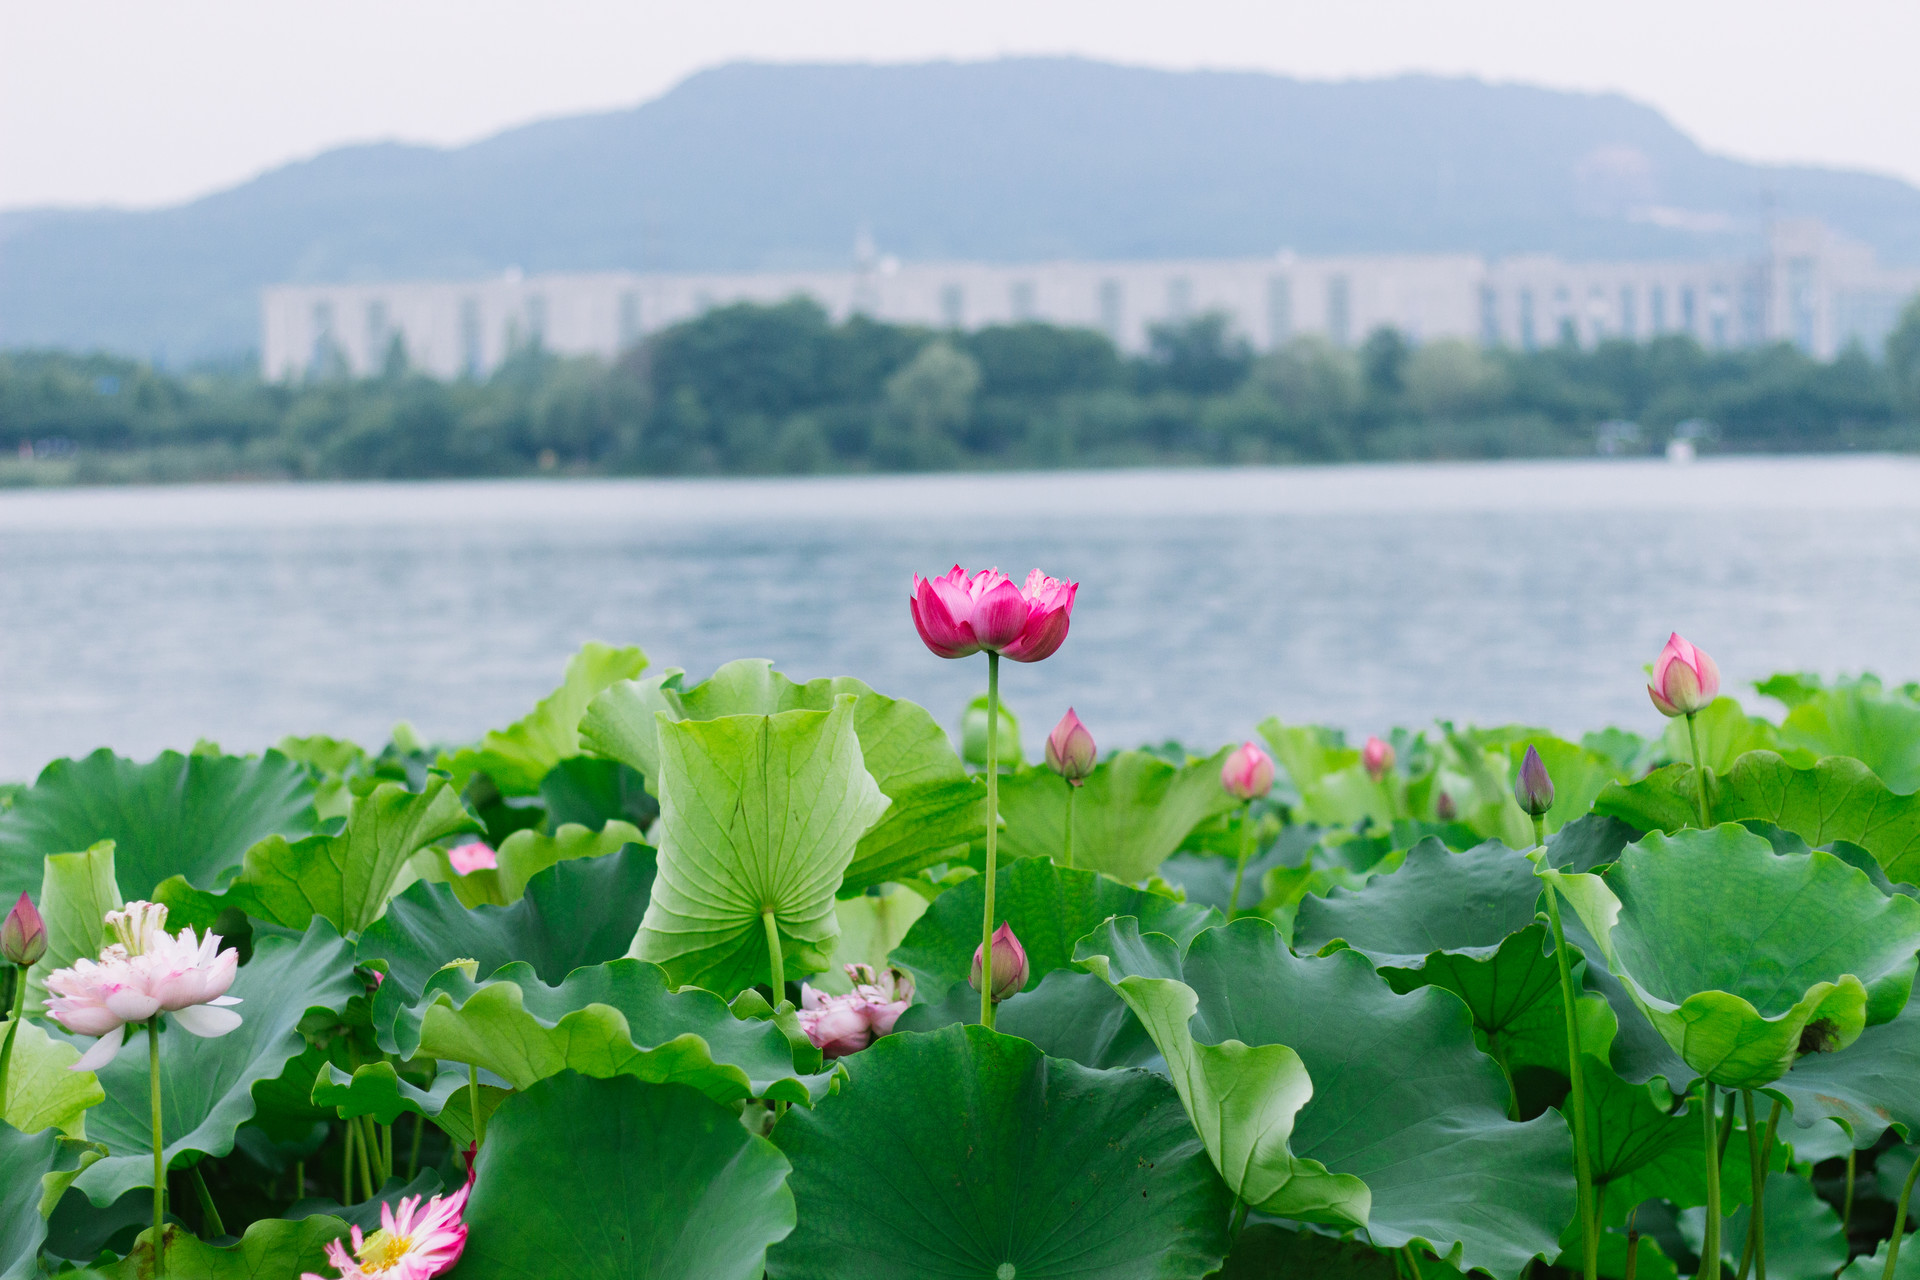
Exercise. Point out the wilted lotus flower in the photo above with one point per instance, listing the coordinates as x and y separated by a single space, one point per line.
406 1247
1009 965
1070 749
839 1025
147 971
1377 756
1685 679
957 615
469 858
1533 788
1248 773
23 935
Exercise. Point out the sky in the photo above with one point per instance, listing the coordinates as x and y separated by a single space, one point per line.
151 102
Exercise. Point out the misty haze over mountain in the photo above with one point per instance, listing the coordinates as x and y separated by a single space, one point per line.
756 166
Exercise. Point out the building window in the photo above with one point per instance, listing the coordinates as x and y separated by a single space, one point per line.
377 334
1489 316
1340 310
1179 298
1629 312
1111 316
537 319
629 319
1657 309
1528 338
953 306
473 356
1279 310
1020 296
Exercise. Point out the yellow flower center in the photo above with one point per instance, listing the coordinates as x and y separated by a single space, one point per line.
382 1251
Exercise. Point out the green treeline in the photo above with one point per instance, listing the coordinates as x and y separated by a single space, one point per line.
782 389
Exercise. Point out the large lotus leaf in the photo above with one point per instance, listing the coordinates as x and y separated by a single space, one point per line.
376 1089
1402 1099
76 892
964 1153
1725 733
193 816
1835 799
1133 811
1639 1151
345 879
1874 1266
519 756
759 816
590 792
1882 733
1049 908
24 1160
1804 1239
1874 1083
1265 1251
1734 952
525 854
935 803
206 1086
270 1249
618 1018
1438 901
1069 1015
1333 787
611 1179
871 926
41 1089
1589 843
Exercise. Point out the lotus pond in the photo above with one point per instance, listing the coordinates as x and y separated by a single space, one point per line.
751 976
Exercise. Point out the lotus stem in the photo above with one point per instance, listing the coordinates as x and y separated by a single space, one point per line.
1699 775
473 1102
210 1224
299 1181
386 1149
776 963
346 1161
1582 1160
1846 1208
1248 836
1239 1219
1413 1260
366 1167
1900 1221
159 1147
1710 1247
993 830
413 1155
1633 1243
1755 1254
13 1024
1072 791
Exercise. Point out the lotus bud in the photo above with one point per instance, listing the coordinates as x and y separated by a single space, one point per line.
1248 772
1377 756
1070 749
1685 679
23 935
1009 964
1533 788
1444 808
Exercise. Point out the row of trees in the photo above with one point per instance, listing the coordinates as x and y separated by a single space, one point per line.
783 389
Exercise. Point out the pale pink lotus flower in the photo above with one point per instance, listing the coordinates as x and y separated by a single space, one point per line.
406 1247
147 971
1377 756
1248 772
1685 679
469 858
1009 974
957 614
1070 749
841 1024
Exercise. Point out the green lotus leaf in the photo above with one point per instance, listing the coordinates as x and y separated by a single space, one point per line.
759 816
519 756
76 892
590 792
1640 1152
193 816
1735 953
334 761
1007 749
525 854
1265 1251
1589 843
376 1089
1804 1239
1881 732
41 1091
935 803
1049 908
1437 901
345 879
1874 1266
963 1153
1070 1015
24 1160
1333 787
1133 811
270 1249
610 1179
1725 733
1873 1085
1402 1100
206 1085
618 1018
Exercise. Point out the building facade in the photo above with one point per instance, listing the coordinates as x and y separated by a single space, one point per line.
1811 288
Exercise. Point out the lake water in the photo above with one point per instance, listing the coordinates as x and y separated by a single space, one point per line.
1357 596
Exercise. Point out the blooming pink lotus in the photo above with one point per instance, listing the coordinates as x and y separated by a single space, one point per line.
958 615
841 1024
1248 772
1685 679
469 858
146 972
406 1247
1377 756
1070 749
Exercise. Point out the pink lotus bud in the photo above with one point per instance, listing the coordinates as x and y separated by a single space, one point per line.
1248 773
1378 757
1009 964
957 614
469 858
23 935
1533 788
1685 679
1444 808
1070 749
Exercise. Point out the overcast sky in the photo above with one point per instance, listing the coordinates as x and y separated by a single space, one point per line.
145 102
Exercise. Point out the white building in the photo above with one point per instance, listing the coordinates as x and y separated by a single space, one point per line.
1813 289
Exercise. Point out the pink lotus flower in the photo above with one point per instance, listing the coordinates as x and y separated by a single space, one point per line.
1685 679
406 1247
1248 772
839 1025
23 935
147 971
958 615
1070 749
1377 756
1009 965
469 858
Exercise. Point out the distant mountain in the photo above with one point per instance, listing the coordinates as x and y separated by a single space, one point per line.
752 166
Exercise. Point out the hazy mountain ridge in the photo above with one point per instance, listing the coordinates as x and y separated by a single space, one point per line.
749 166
